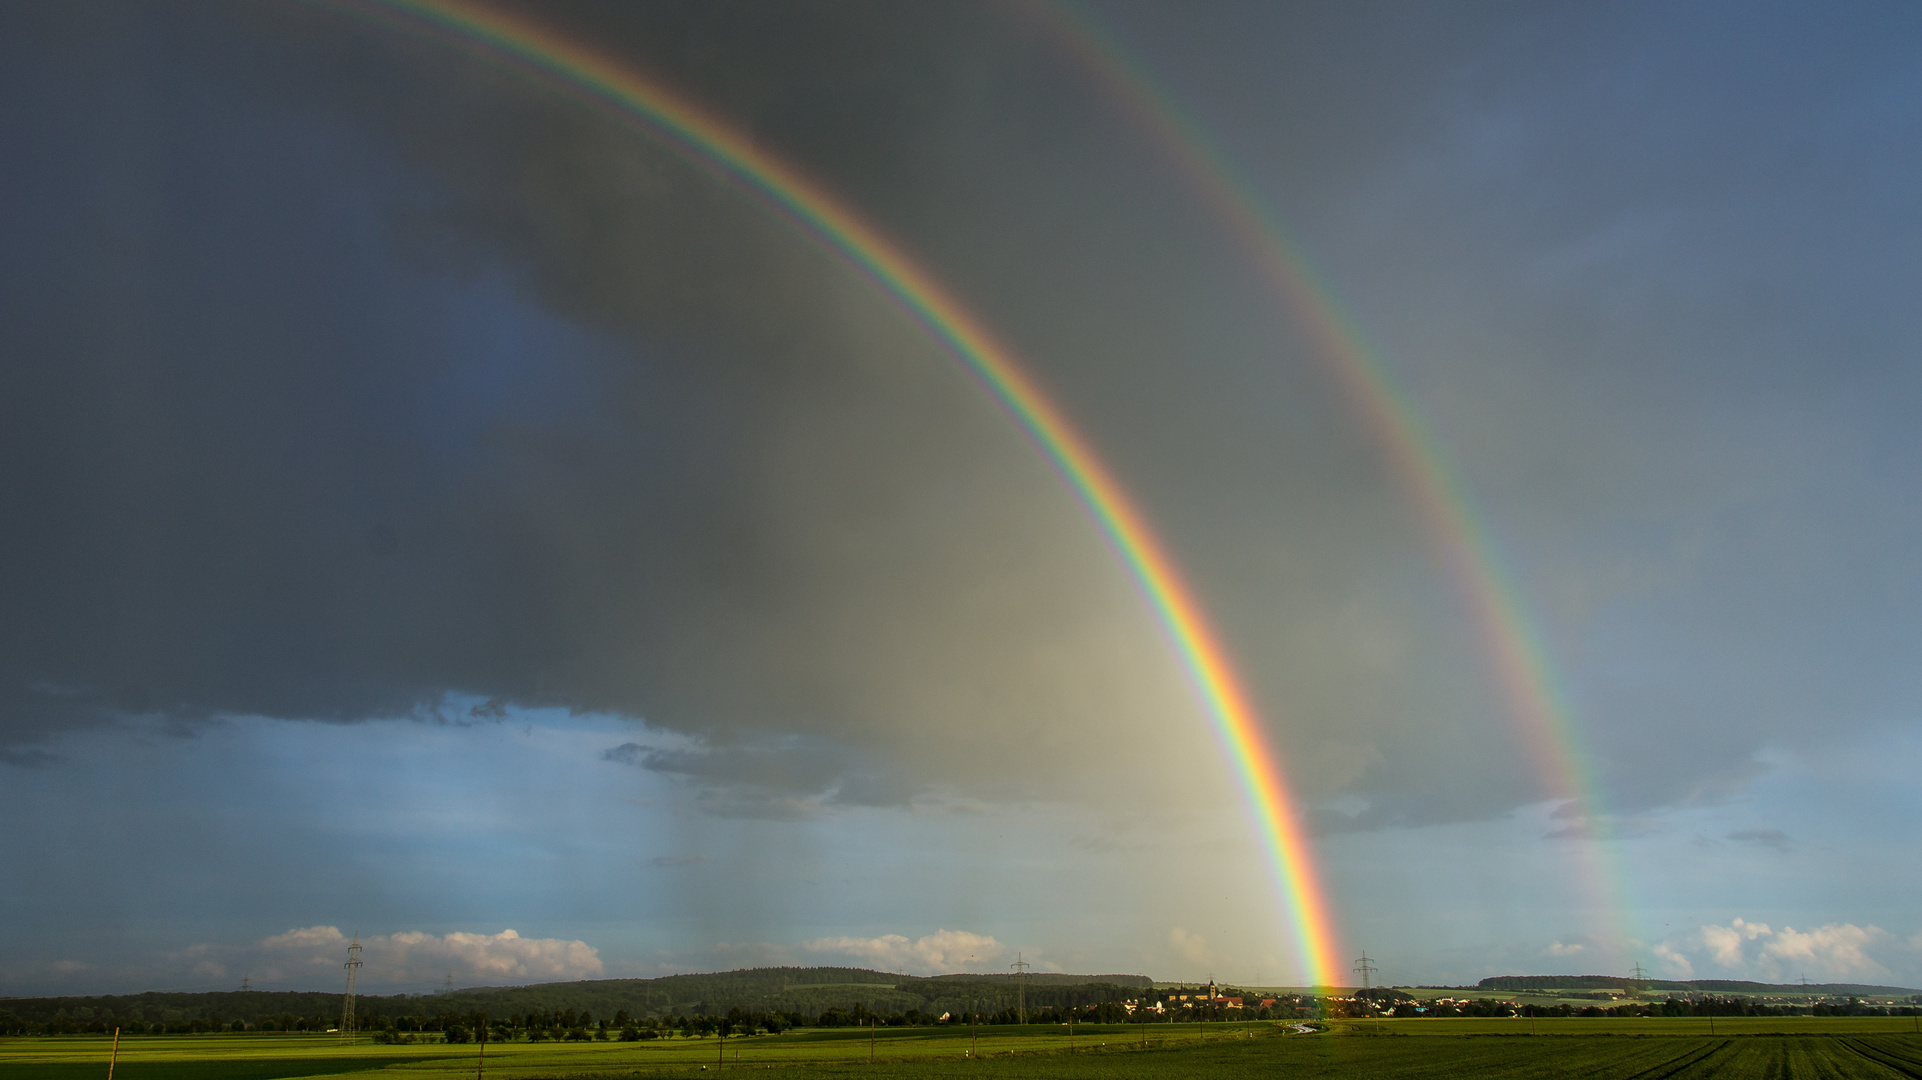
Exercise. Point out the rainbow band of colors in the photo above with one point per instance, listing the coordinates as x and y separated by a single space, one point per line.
1518 653
712 143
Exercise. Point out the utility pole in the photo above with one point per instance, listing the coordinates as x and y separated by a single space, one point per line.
113 1055
347 1004
1020 967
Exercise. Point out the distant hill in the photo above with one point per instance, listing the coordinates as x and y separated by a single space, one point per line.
807 991
1694 986
1049 978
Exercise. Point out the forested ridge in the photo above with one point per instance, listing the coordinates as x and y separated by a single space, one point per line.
803 992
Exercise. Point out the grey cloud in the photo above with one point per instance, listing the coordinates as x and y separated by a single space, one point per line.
491 709
627 754
1768 838
784 777
870 789
26 756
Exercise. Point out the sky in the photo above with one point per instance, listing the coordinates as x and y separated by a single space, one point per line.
435 508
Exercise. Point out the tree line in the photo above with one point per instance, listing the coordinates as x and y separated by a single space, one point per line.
806 992
584 1025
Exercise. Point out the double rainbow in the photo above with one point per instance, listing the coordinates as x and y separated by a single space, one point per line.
712 143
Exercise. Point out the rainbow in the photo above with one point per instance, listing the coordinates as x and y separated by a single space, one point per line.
710 142
1518 653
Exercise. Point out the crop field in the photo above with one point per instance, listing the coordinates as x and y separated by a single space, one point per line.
1765 1048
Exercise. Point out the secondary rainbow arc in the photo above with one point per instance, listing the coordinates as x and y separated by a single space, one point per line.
1517 650
710 141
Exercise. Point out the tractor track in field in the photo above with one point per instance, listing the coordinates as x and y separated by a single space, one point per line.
1884 1058
1680 1063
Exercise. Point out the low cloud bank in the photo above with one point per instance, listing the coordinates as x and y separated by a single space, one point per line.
938 953
406 957
1836 952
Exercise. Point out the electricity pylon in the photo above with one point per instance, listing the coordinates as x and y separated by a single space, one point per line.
1020 967
1367 969
347 1005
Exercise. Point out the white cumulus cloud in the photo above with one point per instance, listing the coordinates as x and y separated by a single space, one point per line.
1674 962
1725 943
412 956
1835 952
941 951
1560 949
1190 945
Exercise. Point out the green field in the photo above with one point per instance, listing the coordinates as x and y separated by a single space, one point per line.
1631 1049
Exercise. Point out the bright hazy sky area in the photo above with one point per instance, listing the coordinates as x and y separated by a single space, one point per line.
435 508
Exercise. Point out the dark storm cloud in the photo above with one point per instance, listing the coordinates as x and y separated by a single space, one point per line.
334 395
349 376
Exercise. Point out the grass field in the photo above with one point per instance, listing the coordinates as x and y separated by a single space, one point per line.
1765 1048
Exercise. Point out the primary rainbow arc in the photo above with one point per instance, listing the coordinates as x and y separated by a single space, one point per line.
710 141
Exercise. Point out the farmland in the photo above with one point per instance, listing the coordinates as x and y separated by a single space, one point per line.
1680 1048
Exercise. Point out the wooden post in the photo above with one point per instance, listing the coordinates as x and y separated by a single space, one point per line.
480 1063
870 1040
971 1036
115 1054
722 1045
